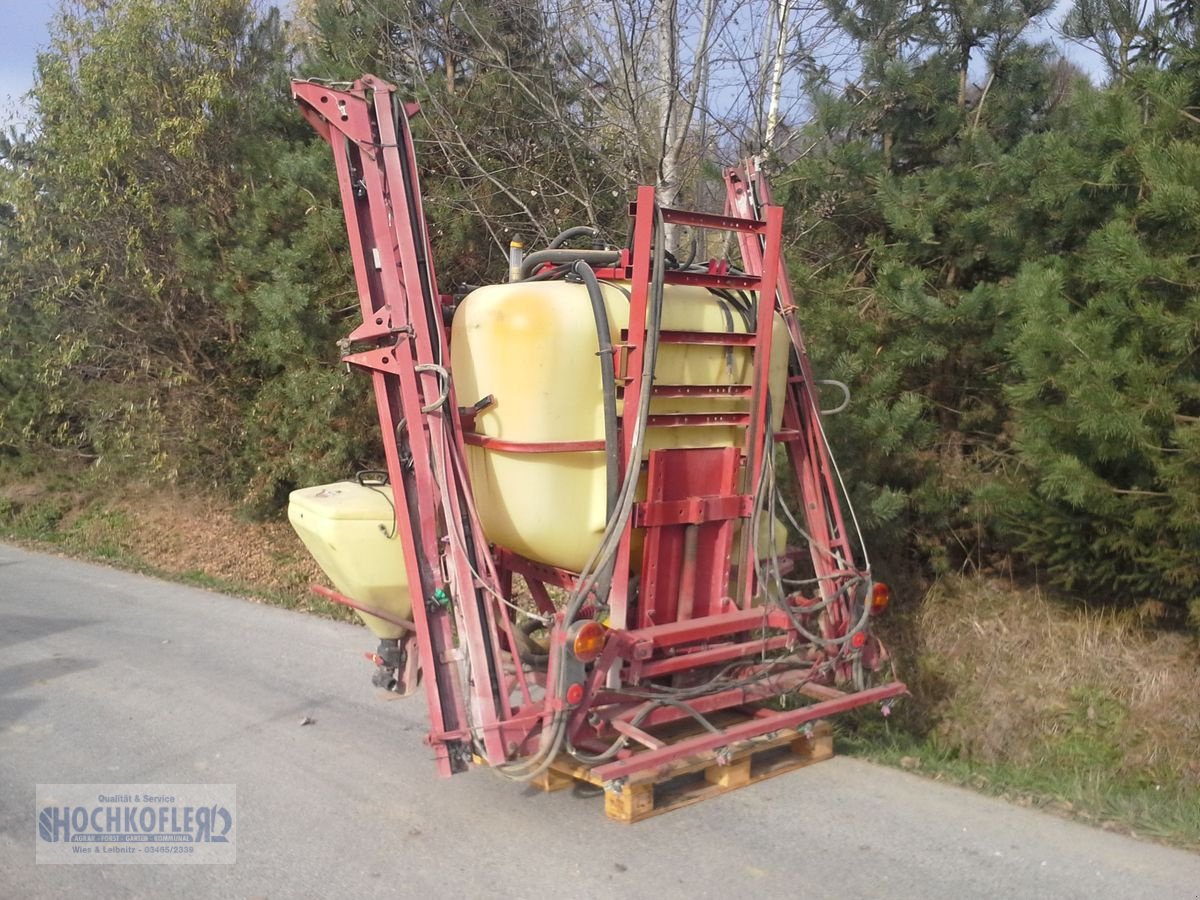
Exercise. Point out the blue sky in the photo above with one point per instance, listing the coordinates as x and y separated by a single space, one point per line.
22 31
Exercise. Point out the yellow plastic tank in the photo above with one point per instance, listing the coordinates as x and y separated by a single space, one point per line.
350 529
533 347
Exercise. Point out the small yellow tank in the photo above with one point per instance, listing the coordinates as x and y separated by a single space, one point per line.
532 345
350 529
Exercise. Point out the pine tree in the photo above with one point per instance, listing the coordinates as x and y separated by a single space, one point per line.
903 252
1107 407
165 287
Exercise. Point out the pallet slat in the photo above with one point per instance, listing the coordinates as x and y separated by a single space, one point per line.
692 780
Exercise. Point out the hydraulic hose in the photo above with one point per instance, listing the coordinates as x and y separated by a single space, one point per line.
564 236
554 733
602 555
592 257
551 274
608 380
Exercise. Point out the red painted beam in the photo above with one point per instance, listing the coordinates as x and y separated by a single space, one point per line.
492 443
655 759
685 661
673 633
329 594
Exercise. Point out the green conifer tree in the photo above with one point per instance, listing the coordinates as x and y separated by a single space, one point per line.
1106 410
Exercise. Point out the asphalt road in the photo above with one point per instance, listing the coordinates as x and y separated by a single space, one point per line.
110 677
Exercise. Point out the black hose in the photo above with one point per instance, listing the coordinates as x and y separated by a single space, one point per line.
608 379
599 568
550 274
694 250
577 231
592 257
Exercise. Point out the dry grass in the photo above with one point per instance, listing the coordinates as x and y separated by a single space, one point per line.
1010 676
179 534
1086 713
198 539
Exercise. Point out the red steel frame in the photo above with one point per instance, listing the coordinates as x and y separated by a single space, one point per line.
694 611
830 550
747 193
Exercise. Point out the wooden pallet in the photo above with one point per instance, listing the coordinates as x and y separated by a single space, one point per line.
695 778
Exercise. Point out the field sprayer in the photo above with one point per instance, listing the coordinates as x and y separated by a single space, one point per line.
602 429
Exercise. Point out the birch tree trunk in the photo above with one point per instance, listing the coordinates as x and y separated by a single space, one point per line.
782 9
